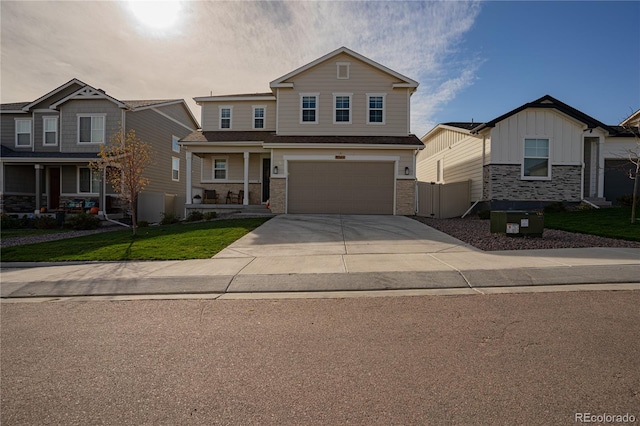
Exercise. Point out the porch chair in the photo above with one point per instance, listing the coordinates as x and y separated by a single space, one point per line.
229 199
240 197
210 196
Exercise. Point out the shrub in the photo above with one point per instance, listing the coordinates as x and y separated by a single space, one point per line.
556 207
210 215
169 218
83 221
9 222
626 200
484 214
143 224
194 216
45 222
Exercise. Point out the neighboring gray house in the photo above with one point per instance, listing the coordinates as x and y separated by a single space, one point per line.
48 143
541 152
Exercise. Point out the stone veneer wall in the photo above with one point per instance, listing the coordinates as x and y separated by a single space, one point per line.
277 191
21 203
255 192
503 182
405 197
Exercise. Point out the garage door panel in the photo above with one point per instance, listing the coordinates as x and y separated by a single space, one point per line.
341 187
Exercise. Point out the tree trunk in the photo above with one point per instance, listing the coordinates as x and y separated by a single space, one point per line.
134 214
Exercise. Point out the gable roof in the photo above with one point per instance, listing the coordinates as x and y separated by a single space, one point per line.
88 92
405 81
549 102
54 92
635 117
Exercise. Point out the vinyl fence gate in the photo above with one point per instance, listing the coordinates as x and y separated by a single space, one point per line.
443 201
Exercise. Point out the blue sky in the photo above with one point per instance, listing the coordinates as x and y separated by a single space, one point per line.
473 59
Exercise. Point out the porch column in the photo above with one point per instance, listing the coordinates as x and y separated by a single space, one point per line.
38 167
245 201
189 155
600 171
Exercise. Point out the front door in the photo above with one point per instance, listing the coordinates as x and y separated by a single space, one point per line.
266 178
54 188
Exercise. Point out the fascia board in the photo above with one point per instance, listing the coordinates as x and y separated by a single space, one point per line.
233 98
337 145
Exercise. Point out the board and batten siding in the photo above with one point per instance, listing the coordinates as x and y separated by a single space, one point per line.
461 157
157 130
69 123
241 115
363 79
564 133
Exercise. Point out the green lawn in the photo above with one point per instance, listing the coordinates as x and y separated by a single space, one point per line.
170 242
612 223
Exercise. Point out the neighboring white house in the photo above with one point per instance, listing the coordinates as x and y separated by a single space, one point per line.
544 151
330 137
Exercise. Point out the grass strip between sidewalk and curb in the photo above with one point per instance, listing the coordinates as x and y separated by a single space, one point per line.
180 241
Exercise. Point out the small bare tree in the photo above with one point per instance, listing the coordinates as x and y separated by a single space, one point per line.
123 163
633 154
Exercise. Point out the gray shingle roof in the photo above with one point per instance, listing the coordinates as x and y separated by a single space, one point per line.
13 106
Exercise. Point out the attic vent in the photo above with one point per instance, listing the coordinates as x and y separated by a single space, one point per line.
343 70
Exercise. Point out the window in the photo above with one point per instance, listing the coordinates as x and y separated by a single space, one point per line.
375 109
439 170
219 169
23 133
536 159
258 117
91 129
88 181
50 131
342 108
175 168
309 108
225 117
175 145
343 70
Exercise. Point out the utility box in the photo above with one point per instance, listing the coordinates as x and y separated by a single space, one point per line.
517 223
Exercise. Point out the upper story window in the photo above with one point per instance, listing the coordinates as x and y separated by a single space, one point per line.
91 128
50 131
375 108
258 117
23 132
536 163
175 145
225 117
343 70
309 108
342 110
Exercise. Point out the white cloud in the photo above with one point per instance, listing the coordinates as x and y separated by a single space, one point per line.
231 47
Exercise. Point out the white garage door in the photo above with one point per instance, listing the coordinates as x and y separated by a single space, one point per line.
339 187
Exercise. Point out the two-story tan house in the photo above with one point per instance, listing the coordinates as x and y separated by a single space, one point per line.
330 137
48 143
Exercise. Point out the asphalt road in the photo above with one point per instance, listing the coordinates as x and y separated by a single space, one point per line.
486 359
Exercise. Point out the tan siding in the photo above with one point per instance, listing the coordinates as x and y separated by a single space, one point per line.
565 134
235 167
242 115
461 160
323 79
155 129
69 122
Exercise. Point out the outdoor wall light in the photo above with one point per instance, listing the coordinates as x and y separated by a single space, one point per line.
275 170
406 171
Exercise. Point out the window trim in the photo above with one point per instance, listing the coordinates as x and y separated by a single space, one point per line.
104 128
384 109
15 125
175 142
440 170
91 189
316 109
254 108
524 157
173 169
230 118
226 169
350 109
347 65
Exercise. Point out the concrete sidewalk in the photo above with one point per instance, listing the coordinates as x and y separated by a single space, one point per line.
292 254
